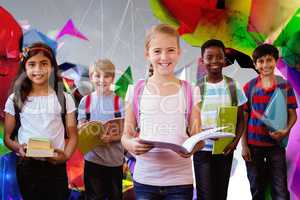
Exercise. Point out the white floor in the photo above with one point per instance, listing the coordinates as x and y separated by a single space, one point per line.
238 185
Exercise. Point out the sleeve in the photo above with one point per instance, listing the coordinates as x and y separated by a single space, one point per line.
291 98
246 105
70 104
81 109
129 94
9 105
196 95
241 96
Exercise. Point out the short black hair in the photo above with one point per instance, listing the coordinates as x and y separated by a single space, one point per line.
212 43
263 50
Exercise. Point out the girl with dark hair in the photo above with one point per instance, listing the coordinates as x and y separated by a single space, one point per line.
35 104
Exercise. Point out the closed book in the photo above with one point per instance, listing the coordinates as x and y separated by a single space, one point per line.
41 143
40 153
227 117
39 147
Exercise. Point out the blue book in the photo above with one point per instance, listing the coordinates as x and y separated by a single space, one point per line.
275 115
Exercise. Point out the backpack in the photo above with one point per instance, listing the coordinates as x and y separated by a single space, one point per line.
117 113
138 91
230 84
62 101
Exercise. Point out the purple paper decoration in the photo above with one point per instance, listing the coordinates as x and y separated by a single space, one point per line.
290 73
70 29
295 182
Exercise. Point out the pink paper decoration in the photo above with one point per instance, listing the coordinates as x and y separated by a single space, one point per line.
70 29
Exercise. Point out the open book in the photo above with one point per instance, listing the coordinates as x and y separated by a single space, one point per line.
39 147
90 133
188 146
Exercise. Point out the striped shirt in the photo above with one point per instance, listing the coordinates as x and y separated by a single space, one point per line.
257 133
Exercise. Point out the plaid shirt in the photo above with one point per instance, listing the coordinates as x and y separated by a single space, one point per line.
257 132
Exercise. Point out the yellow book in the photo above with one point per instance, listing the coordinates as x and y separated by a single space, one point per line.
39 147
41 143
40 153
90 133
227 117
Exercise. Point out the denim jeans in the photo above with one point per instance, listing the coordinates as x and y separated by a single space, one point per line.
268 166
102 182
212 173
42 180
149 192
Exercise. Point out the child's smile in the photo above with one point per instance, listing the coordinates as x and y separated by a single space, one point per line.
163 53
38 69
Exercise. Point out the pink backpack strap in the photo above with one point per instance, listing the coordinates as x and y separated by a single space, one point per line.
187 88
138 90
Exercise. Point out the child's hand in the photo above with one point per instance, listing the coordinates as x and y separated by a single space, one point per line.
106 138
197 147
138 148
21 150
59 157
230 148
278 135
246 153
185 155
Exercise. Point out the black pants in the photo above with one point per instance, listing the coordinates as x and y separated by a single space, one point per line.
268 167
212 173
102 182
42 180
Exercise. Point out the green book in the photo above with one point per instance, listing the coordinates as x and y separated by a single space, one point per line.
227 117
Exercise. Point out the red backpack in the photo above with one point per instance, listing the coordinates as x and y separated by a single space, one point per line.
117 112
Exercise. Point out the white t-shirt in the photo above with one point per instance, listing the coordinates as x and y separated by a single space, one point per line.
41 117
162 118
216 95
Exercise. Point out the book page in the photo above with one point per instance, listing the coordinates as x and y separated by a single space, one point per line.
213 133
90 136
190 143
165 145
114 126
